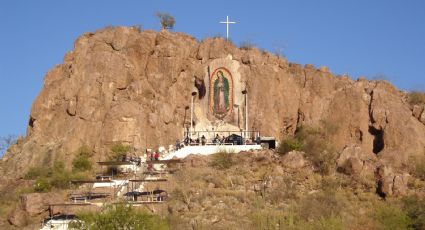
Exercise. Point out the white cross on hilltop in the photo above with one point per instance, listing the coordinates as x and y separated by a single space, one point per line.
227 22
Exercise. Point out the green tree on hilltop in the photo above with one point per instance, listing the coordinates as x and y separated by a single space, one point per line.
167 21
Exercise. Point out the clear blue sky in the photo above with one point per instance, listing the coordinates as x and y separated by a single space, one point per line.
358 37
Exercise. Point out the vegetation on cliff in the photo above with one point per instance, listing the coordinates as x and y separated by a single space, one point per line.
256 192
58 176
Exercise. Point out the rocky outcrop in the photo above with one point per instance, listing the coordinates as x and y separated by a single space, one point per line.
354 161
125 85
34 204
418 112
294 160
18 217
391 183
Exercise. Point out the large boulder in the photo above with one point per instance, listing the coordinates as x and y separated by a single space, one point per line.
418 110
18 217
391 183
37 203
294 159
355 161
33 203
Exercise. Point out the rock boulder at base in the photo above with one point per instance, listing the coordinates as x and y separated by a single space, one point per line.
391 183
354 161
294 159
18 217
33 204
36 203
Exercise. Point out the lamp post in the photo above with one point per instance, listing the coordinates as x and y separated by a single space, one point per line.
237 106
245 92
191 114
185 127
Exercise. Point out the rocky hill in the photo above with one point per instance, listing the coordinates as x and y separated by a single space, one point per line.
130 86
346 153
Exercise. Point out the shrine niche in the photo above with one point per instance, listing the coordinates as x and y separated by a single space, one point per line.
221 93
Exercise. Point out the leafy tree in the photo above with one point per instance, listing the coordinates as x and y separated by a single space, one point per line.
117 150
167 21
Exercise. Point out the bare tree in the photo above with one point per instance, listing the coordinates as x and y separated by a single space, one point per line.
167 21
6 142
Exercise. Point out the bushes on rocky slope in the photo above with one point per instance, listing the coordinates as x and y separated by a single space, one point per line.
290 144
417 166
414 206
10 192
56 176
391 217
416 98
222 160
82 161
315 142
118 150
120 216
257 193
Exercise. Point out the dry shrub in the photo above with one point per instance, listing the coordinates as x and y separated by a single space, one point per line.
246 45
222 160
417 166
120 216
317 146
416 98
328 203
391 217
290 144
414 206
267 219
284 190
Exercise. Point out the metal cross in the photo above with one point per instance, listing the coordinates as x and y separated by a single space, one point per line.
227 22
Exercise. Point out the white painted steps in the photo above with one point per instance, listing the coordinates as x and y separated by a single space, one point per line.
208 150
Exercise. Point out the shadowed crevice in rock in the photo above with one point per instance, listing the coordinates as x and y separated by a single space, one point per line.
379 190
378 134
370 108
378 140
200 85
31 122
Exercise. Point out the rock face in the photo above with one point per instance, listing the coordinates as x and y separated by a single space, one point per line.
36 203
391 183
124 85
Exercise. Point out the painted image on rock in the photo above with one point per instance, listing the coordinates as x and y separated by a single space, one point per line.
221 93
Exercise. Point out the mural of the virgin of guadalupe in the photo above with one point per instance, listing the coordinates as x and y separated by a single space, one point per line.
221 93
